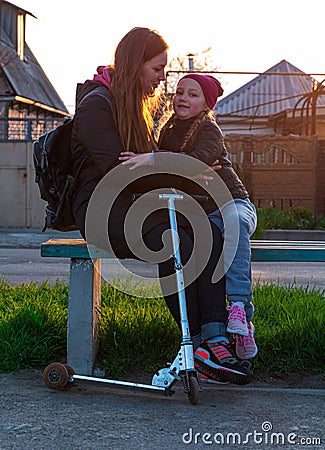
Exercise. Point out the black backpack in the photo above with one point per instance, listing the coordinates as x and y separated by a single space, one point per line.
52 162
53 167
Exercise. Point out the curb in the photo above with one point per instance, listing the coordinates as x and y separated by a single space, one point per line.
31 238
294 235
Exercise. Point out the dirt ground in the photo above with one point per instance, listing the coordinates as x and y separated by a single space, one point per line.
96 416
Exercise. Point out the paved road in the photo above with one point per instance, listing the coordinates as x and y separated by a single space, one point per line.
19 265
92 416
20 261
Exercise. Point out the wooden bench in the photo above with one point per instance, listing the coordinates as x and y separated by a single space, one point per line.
85 287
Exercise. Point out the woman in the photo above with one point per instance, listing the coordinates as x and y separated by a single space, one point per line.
114 114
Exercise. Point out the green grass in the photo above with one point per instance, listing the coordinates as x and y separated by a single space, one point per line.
140 332
289 325
33 321
294 219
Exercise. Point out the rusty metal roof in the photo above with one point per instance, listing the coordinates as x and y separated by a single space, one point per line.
18 8
269 94
26 78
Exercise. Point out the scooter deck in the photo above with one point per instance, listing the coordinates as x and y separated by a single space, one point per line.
166 391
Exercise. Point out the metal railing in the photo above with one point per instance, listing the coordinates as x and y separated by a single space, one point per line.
26 130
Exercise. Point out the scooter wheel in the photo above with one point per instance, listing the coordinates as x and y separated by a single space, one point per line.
247 364
71 381
56 376
193 390
70 369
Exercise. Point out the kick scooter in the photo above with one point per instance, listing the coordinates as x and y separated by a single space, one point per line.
62 376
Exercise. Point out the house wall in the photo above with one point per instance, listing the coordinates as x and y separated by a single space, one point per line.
20 202
320 178
320 131
238 125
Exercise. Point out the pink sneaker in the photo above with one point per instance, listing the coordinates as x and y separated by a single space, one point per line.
237 320
246 347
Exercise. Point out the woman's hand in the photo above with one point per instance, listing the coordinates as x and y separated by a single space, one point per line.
125 156
135 160
204 176
215 165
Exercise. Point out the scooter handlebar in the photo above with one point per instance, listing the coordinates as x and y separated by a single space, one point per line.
155 196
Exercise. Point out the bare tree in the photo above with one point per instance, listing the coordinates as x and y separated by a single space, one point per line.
179 65
193 62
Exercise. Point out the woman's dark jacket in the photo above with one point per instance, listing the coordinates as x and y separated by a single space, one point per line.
95 143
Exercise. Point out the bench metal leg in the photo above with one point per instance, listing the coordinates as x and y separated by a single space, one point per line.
84 305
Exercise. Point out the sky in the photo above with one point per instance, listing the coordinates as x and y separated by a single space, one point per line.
70 38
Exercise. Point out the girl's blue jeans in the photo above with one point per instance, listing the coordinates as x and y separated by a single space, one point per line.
238 271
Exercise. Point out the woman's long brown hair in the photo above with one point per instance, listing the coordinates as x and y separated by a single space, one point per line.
134 109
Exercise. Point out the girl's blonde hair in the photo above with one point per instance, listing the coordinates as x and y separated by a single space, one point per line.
135 109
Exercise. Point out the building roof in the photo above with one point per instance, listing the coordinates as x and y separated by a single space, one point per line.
17 8
269 94
26 78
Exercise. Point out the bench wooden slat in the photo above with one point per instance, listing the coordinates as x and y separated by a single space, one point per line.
288 244
304 251
72 248
307 251
288 254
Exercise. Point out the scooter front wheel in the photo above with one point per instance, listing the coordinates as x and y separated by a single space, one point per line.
193 389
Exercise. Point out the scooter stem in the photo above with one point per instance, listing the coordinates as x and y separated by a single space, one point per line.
186 337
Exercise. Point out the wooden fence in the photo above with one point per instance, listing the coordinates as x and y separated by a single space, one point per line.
281 171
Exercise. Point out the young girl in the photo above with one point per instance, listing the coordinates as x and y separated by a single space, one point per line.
193 130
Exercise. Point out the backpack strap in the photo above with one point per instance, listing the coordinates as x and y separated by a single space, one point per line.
102 91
